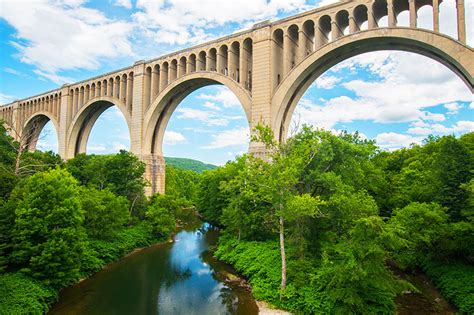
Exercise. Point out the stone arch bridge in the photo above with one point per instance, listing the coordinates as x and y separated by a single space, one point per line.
268 67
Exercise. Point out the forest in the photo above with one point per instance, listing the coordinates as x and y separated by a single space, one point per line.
315 228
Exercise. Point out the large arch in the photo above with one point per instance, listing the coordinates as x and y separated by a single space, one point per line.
81 125
33 126
456 56
157 118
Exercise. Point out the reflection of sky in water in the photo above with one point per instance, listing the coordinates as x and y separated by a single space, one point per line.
194 291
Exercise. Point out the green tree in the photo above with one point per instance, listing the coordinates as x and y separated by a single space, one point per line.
182 183
125 176
120 173
286 161
161 220
452 167
422 225
211 197
353 278
105 213
180 208
47 235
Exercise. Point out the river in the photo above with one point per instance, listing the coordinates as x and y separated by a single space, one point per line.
175 278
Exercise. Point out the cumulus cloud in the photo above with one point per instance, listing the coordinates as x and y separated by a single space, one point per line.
123 3
461 126
178 22
211 105
327 82
222 96
396 92
392 140
64 35
173 137
453 108
228 138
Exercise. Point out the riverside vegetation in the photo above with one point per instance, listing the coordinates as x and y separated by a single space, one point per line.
313 228
63 221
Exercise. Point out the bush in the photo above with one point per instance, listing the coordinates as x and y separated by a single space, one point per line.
100 252
20 294
456 282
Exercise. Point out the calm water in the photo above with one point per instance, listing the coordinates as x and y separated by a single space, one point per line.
176 278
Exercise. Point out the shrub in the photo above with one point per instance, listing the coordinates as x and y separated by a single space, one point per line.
20 294
456 282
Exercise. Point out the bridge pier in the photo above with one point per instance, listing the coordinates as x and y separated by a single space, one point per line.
155 173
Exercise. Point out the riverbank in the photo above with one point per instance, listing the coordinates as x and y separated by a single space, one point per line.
22 294
258 262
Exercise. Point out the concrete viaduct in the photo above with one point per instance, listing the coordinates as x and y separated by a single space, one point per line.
268 67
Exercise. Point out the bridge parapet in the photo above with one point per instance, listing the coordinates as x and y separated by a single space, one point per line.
297 37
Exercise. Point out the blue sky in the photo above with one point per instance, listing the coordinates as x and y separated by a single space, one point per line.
394 97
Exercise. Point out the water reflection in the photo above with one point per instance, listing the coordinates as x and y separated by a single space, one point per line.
177 278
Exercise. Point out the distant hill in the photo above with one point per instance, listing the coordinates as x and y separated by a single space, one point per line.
189 164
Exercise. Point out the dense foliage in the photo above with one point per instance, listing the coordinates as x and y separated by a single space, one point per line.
22 295
455 281
47 235
181 183
189 164
63 221
121 173
329 211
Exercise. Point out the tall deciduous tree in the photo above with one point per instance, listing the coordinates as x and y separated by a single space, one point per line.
105 213
285 164
47 234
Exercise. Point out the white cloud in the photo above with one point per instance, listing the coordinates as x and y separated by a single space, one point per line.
123 3
393 140
419 123
181 22
63 35
204 116
323 3
228 138
173 137
212 106
327 82
6 99
453 108
55 78
461 126
471 106
211 118
222 96
13 71
397 93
